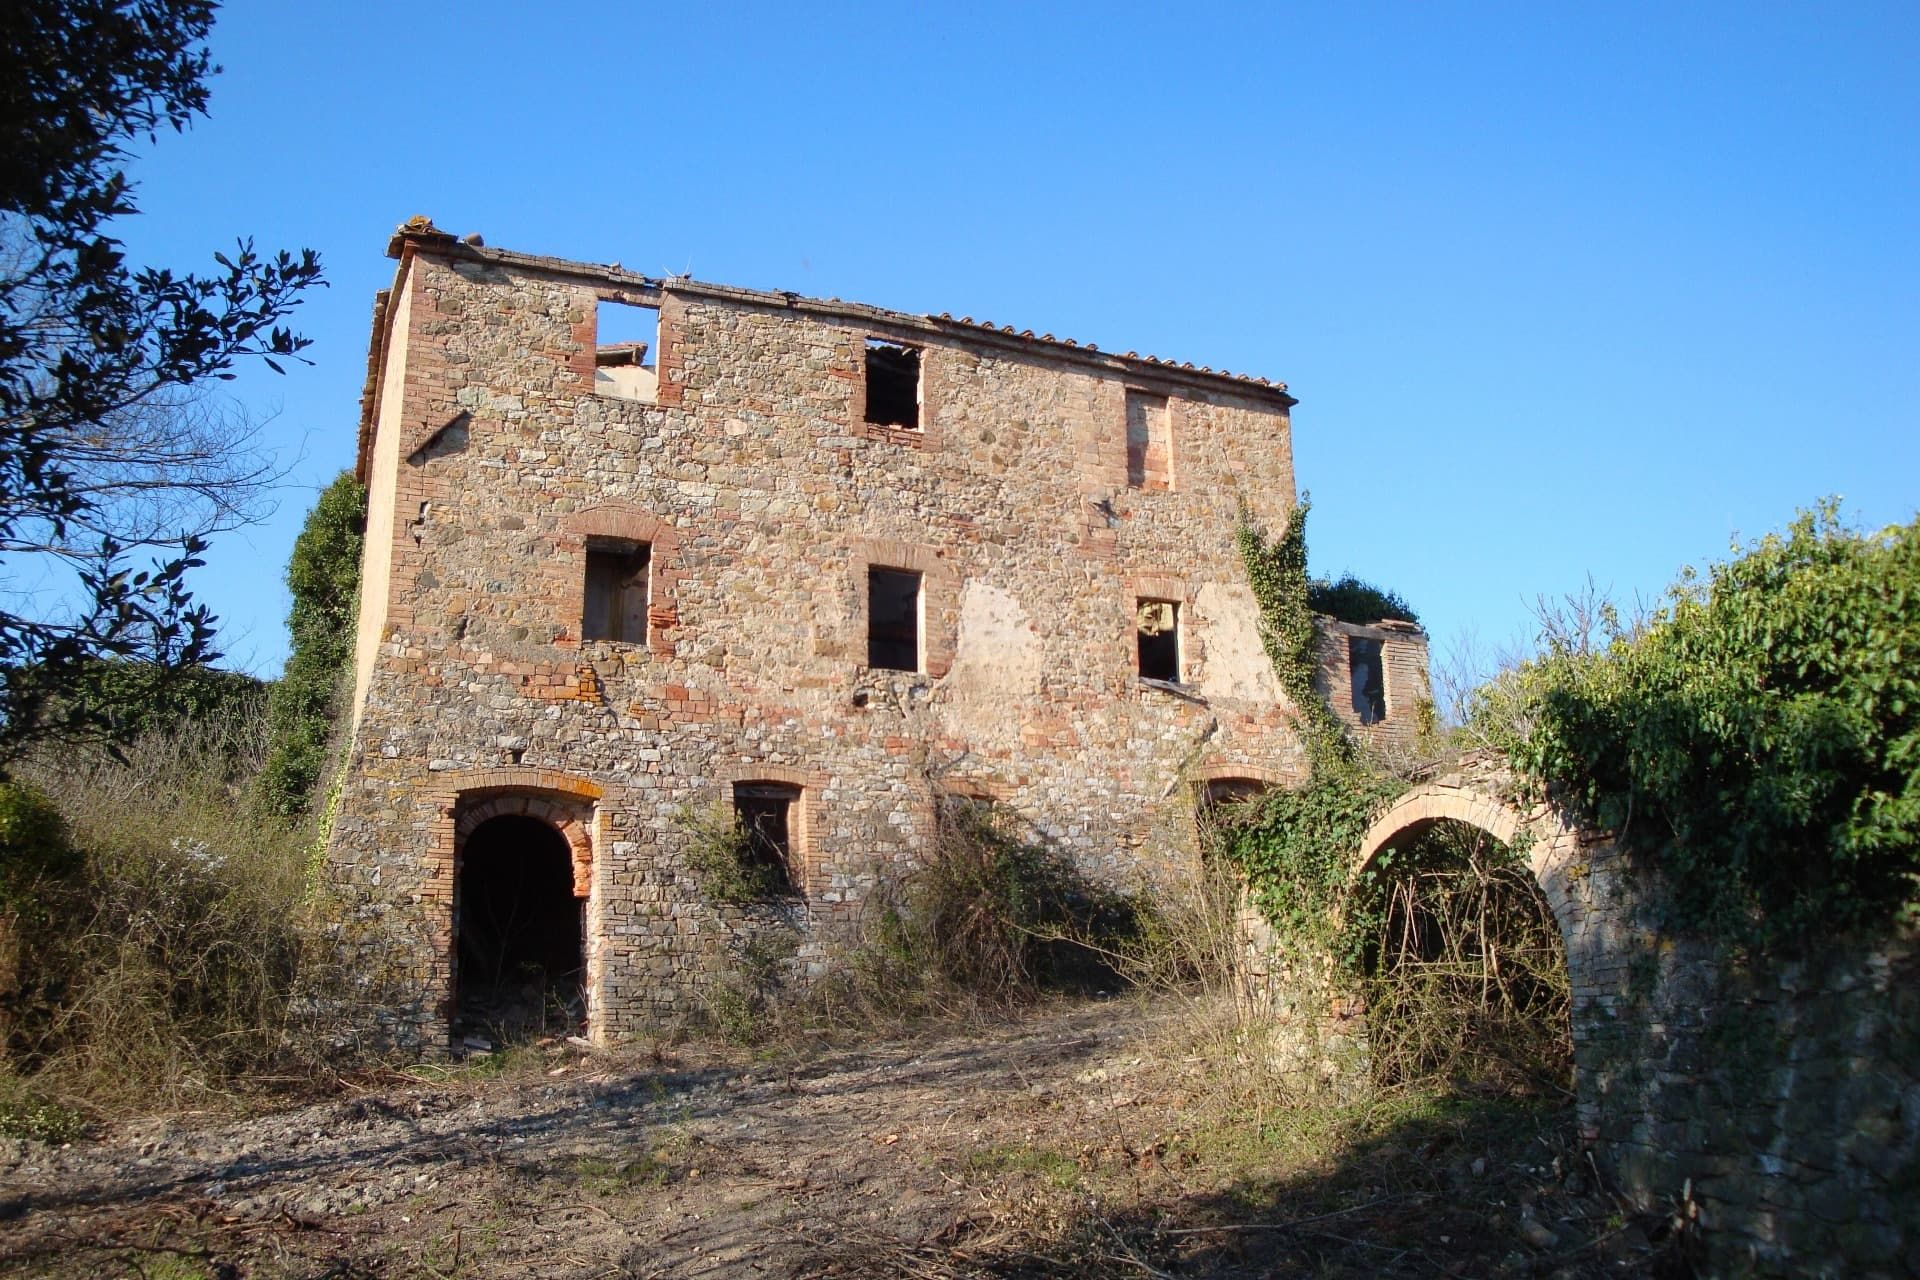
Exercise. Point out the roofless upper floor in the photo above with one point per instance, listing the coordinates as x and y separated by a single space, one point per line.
641 344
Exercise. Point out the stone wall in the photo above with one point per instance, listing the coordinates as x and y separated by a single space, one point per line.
1777 1098
764 498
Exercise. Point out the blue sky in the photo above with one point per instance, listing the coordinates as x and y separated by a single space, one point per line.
1563 290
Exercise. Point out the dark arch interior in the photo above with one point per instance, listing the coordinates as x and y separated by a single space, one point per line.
1467 971
519 932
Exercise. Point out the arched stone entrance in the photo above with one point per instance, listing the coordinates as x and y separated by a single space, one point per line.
522 928
1560 856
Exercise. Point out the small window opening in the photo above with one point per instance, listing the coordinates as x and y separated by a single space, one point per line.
766 812
1369 679
1149 442
893 384
893 619
626 351
616 598
1157 623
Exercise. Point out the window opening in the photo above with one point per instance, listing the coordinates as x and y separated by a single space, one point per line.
1369 679
766 812
519 931
1229 791
893 384
626 351
893 619
1157 623
616 598
1149 442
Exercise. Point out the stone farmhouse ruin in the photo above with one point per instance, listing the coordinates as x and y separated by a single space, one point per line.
641 549
637 548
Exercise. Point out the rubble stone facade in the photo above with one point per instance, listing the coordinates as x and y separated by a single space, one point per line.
606 588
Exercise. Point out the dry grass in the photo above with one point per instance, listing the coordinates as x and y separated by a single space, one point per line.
177 967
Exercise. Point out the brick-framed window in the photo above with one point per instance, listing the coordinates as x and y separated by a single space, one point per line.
782 814
893 385
1367 673
1157 639
615 598
770 816
933 607
627 576
895 619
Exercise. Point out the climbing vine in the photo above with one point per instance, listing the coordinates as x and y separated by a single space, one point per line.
1297 853
1277 573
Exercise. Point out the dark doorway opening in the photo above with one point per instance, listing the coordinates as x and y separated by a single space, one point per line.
519 932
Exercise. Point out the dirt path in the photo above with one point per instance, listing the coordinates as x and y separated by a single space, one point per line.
641 1170
1018 1151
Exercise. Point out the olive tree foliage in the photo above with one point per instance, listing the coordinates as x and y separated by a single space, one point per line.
111 450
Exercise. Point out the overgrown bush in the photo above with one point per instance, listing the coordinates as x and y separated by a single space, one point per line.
988 918
1352 600
720 856
1758 741
176 964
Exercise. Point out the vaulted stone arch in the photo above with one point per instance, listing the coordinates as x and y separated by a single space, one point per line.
1476 796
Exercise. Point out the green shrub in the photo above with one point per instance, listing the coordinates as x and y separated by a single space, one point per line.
1758 741
721 858
1351 600
34 846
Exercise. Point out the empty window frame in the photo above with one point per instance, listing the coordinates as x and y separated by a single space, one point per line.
1149 442
626 351
616 595
769 813
1157 630
893 619
1367 667
893 384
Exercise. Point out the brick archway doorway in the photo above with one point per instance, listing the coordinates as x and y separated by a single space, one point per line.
519 932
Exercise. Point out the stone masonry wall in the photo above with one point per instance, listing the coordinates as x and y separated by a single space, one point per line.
1778 1099
765 497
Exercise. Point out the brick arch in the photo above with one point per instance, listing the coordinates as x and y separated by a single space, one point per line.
1219 770
1540 834
563 803
623 520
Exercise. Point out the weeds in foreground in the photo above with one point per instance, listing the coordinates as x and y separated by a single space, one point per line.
988 920
171 963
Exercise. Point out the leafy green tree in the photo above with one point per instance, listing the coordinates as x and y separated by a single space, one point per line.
104 447
324 576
